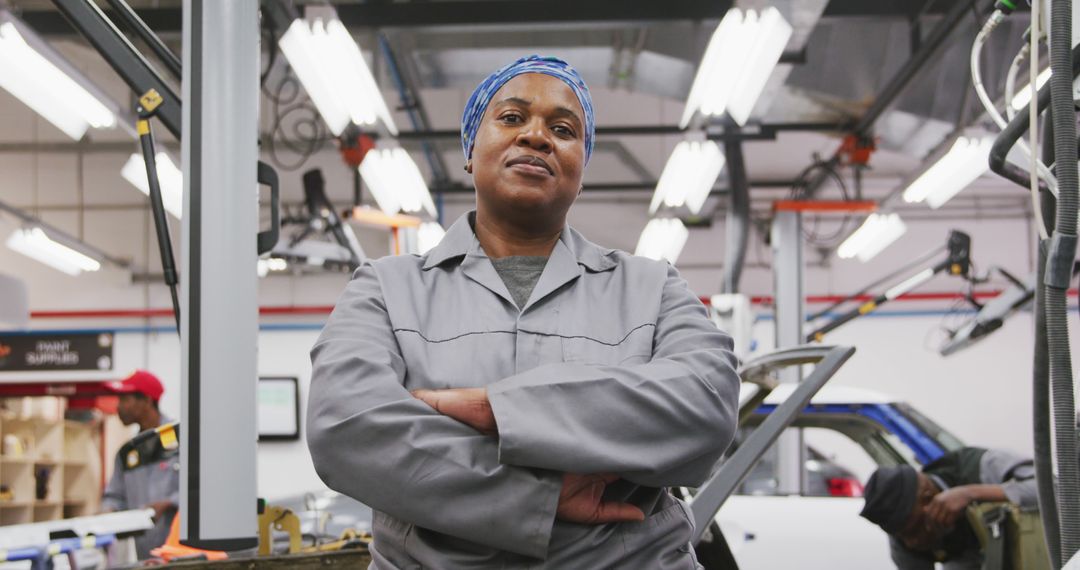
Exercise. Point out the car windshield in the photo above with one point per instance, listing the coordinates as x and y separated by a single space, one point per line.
948 441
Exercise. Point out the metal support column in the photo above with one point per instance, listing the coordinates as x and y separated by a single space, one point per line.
219 292
787 248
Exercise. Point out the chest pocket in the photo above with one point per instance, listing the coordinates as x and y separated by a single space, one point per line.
601 345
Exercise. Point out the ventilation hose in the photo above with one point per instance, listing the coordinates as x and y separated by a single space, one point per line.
1043 432
1058 273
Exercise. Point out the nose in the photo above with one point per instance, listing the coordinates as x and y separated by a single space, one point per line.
534 135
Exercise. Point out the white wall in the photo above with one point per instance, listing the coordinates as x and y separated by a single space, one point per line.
284 466
982 394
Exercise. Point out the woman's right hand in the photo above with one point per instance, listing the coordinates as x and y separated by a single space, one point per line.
581 501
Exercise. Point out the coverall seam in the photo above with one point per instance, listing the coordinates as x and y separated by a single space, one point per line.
537 333
440 341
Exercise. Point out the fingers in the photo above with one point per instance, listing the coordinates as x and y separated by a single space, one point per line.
618 512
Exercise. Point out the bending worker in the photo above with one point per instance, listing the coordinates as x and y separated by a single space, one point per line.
924 512
519 396
138 482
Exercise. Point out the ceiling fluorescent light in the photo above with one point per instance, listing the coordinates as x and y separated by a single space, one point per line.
337 78
170 179
662 238
876 233
688 176
41 78
1023 96
34 243
396 182
965 161
265 266
741 55
429 234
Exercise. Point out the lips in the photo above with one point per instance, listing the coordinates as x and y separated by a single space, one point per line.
531 160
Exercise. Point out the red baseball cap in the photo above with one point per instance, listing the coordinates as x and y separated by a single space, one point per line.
141 382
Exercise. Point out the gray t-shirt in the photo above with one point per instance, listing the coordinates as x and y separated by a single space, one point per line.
520 274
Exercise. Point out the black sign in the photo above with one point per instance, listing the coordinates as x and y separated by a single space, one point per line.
48 352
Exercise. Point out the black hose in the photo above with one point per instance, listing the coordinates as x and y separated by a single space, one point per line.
1058 274
1016 129
738 217
1043 430
1044 464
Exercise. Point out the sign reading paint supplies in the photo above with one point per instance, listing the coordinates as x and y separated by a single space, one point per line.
51 352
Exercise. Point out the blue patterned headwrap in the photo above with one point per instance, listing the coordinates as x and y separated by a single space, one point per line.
553 66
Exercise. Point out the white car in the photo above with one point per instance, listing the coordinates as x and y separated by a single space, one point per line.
849 432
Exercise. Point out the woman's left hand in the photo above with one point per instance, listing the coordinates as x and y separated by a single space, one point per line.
469 406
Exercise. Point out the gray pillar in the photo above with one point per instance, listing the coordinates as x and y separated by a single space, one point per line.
219 330
787 248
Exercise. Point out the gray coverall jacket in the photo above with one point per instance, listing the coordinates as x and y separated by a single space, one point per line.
136 488
611 367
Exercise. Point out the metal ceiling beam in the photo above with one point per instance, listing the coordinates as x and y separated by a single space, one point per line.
488 12
929 47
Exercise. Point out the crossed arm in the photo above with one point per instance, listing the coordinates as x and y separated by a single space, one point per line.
496 466
580 496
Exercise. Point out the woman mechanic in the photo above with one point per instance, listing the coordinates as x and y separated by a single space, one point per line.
520 397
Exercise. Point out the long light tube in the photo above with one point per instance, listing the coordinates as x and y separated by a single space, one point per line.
741 55
329 64
1023 96
36 244
428 235
966 160
662 238
877 232
170 178
396 182
265 266
38 77
688 176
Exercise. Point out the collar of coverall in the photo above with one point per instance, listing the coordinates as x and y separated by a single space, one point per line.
460 240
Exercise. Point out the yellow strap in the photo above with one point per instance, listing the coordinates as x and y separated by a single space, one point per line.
89 541
54 549
3 555
142 126
867 307
956 269
168 436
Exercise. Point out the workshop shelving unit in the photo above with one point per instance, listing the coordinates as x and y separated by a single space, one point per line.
61 453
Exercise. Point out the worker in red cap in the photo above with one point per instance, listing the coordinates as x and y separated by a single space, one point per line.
146 475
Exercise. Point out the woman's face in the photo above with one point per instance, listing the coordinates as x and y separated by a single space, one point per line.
529 152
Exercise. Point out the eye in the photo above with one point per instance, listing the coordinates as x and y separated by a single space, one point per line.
564 130
511 117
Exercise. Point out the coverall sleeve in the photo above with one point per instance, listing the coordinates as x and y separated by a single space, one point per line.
1014 473
371 440
114 498
662 423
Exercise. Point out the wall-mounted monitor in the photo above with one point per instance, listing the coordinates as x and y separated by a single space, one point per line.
278 408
